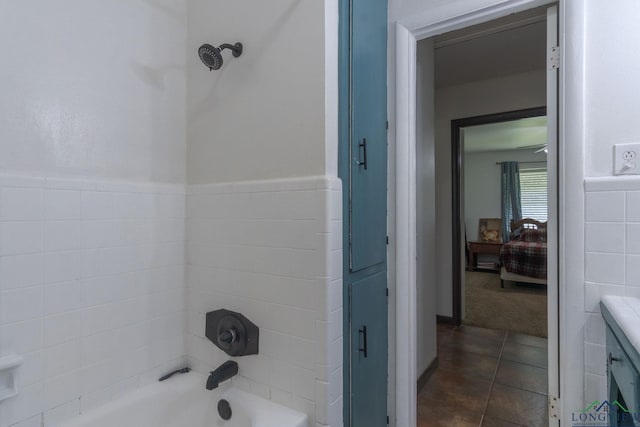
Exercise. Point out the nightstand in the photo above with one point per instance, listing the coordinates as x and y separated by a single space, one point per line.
475 248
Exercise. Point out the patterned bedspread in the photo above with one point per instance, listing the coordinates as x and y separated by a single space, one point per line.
525 258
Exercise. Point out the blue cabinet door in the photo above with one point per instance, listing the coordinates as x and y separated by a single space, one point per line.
368 139
369 351
363 170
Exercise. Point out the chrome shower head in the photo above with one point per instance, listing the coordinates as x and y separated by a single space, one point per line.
211 56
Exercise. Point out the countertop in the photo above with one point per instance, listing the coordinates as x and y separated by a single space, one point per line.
626 313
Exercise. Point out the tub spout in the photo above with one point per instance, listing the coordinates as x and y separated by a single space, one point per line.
225 371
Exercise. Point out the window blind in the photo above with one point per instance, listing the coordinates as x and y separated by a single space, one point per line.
533 193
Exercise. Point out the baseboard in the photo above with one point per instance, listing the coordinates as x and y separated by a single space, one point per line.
422 380
449 320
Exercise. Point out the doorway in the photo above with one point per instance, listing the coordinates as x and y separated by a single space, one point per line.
405 251
496 350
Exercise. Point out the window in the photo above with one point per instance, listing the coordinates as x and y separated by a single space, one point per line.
533 193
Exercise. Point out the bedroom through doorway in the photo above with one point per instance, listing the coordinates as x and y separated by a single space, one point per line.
503 207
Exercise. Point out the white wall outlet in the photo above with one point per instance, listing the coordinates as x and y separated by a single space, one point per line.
626 159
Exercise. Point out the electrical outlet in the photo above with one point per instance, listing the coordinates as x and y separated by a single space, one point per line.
626 159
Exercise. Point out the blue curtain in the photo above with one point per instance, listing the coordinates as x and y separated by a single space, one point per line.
511 207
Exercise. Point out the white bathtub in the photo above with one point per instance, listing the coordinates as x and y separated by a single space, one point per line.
183 401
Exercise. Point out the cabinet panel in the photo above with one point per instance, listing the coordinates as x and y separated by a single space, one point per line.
622 375
369 351
368 168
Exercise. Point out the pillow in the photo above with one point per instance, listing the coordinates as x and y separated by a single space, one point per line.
515 234
533 235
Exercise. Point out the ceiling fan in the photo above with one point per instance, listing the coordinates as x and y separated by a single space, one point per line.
539 148
544 149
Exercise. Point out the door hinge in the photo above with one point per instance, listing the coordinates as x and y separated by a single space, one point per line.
387 291
387 124
554 407
387 240
554 58
387 419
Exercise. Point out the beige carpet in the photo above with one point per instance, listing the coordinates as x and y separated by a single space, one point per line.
521 309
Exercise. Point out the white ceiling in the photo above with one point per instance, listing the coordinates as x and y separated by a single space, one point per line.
529 133
514 44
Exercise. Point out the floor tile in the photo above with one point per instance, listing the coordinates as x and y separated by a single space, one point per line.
526 354
469 364
526 340
468 394
443 327
525 377
470 345
490 334
517 406
436 414
444 332
460 342
488 421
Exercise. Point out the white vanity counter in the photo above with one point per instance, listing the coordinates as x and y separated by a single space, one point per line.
626 313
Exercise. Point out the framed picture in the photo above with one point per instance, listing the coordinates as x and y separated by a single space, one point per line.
490 230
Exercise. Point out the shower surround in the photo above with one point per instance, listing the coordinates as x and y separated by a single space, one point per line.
93 293
102 289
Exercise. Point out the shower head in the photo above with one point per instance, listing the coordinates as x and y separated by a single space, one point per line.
211 56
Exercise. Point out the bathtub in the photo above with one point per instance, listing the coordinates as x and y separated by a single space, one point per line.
183 401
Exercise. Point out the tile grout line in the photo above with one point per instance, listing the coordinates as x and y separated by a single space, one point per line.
493 380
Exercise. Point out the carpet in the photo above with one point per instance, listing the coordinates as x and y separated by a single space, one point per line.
517 308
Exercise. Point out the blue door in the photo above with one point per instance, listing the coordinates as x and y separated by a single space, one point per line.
369 351
363 170
368 216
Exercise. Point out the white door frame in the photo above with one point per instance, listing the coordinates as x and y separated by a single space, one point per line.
402 186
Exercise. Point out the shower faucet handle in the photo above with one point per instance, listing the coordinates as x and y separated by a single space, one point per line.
232 332
228 337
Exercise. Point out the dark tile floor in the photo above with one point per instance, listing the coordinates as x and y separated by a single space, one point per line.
486 377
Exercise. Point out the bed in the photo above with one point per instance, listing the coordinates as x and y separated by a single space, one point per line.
524 257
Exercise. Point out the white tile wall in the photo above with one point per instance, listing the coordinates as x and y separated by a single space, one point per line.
92 291
272 251
612 245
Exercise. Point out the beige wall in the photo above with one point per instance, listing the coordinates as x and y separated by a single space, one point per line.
262 115
612 100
